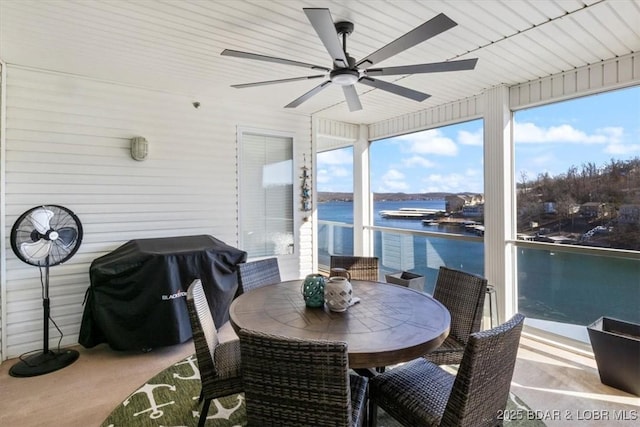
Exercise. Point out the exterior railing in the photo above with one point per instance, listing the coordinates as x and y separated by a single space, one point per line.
423 252
560 288
564 288
418 252
334 238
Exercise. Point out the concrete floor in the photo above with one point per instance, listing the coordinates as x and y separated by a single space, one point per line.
562 387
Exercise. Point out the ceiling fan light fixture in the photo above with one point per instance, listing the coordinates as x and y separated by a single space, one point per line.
344 77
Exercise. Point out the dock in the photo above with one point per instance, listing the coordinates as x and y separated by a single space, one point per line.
411 213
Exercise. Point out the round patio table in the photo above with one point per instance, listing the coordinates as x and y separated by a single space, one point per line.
391 324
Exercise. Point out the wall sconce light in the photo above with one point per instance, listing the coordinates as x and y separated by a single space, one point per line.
139 148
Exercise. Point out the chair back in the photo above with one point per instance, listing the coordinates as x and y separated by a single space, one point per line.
463 294
255 274
481 387
205 336
359 268
292 382
218 363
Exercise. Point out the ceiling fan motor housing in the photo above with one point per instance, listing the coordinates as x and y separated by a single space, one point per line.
344 76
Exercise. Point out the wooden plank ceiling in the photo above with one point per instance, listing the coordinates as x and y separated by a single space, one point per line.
175 45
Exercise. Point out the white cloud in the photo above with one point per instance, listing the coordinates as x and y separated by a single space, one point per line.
339 172
615 132
335 157
327 174
612 137
393 181
417 161
471 138
428 142
617 146
622 149
323 176
393 174
473 173
532 133
452 183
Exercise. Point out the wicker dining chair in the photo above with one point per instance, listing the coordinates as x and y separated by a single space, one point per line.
297 382
359 267
421 393
463 294
255 274
218 363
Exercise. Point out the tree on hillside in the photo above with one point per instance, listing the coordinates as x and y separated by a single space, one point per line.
614 184
565 205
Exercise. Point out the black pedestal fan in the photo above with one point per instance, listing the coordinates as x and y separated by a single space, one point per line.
45 236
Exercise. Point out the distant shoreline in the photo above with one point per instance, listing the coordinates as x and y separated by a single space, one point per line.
324 196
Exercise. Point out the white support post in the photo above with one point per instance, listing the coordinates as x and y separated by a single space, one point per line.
362 197
499 213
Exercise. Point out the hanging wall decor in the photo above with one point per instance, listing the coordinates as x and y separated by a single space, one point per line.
305 187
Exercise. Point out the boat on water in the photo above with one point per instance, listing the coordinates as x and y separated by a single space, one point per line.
411 213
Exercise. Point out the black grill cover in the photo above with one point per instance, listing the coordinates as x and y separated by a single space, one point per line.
137 296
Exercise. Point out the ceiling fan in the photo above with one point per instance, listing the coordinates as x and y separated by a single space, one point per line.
346 71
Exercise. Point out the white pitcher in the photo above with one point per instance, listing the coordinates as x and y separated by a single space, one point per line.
338 293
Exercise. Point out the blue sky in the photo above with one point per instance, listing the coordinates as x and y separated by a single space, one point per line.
593 129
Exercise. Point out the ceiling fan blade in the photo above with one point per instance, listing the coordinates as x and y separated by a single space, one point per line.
431 28
434 67
248 55
40 219
307 95
270 82
66 236
322 22
393 88
36 251
353 101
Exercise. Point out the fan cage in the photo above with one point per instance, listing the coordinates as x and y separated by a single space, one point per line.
62 220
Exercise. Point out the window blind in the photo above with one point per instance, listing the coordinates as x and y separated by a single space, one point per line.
266 194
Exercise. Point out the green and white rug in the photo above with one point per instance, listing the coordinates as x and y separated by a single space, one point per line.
170 399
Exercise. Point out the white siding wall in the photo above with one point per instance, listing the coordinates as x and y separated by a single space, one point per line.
67 143
2 216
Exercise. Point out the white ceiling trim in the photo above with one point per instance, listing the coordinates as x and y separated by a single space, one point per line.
175 45
605 76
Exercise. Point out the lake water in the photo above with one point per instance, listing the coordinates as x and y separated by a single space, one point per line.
343 212
555 286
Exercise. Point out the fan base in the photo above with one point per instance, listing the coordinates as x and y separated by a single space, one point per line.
43 363
344 27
